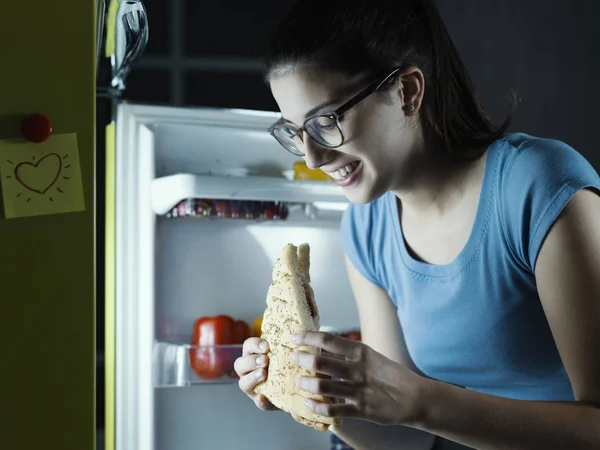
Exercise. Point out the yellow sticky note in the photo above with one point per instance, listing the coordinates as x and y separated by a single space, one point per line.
41 178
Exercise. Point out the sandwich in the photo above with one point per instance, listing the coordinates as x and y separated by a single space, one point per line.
291 308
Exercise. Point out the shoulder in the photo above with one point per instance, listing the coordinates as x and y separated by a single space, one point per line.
536 160
362 228
537 177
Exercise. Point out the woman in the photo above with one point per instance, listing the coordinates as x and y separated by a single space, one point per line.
473 254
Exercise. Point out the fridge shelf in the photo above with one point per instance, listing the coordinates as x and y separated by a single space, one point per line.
230 209
178 365
169 191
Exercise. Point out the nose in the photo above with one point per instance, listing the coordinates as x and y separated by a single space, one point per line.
315 155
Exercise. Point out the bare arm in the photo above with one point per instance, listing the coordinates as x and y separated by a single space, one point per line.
380 330
568 278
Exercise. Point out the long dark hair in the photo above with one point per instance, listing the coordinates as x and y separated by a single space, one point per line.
370 37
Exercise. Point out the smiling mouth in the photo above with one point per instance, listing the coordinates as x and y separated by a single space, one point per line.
345 171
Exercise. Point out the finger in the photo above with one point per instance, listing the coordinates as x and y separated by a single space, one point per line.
329 388
263 403
255 345
332 355
246 364
329 342
336 368
248 382
331 409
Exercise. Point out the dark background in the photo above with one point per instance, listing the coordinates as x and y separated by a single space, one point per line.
206 53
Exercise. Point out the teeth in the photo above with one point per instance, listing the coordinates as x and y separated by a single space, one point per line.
342 173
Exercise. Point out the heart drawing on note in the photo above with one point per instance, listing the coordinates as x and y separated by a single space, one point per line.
41 175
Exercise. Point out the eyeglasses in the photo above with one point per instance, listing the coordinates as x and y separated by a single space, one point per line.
324 128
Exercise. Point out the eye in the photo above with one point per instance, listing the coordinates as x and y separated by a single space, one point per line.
288 132
325 122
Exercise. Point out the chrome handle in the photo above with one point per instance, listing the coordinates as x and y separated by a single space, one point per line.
131 40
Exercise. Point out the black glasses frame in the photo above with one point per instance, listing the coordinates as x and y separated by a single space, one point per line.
335 115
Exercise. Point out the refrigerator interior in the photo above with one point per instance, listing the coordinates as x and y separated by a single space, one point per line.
172 270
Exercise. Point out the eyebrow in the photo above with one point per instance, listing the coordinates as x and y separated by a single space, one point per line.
319 107
316 109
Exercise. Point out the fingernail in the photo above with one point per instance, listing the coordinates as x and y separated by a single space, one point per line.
260 360
308 403
259 375
263 346
294 356
295 338
299 381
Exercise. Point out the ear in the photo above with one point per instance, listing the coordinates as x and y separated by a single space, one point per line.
412 89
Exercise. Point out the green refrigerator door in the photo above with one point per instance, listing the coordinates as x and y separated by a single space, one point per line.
47 260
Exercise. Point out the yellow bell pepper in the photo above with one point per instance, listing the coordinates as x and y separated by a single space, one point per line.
302 172
257 327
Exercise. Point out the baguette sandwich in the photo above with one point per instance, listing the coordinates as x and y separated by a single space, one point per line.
291 308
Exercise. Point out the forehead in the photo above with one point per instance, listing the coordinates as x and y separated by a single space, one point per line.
301 90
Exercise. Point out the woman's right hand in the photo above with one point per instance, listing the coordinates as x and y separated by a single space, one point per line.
251 367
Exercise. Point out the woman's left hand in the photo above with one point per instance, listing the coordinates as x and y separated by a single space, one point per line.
374 387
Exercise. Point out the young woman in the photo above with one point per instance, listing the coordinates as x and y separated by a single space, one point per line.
473 253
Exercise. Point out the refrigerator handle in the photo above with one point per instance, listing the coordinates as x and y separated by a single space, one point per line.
131 29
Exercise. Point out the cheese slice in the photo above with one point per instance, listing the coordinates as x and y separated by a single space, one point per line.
291 308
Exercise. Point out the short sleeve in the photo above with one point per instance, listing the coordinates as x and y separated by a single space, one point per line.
355 231
536 184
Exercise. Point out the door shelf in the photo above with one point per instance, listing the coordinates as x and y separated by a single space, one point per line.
173 364
169 191
292 214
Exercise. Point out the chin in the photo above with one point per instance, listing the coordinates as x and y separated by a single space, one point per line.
360 196
363 191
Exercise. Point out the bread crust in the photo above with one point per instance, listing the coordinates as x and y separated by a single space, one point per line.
291 308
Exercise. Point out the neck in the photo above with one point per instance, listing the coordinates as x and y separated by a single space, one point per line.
438 183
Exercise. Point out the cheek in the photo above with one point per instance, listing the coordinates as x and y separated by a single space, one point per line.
371 131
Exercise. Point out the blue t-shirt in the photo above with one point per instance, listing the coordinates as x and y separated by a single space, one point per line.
478 321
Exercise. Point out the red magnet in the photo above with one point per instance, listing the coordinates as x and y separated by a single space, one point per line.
36 128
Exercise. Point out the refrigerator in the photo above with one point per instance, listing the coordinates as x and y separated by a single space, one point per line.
199 203
47 256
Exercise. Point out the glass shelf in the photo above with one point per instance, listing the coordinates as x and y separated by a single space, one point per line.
178 365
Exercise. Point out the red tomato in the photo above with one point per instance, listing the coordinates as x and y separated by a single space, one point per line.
207 361
241 332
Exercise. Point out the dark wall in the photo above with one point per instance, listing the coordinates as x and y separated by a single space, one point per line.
206 53
546 50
